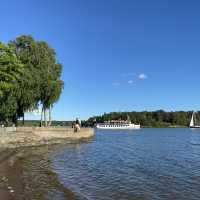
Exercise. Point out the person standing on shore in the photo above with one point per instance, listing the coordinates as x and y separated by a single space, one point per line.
77 125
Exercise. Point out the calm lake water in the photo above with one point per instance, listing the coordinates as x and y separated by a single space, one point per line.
148 164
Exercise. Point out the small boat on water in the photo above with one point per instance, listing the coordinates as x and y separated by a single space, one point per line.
118 124
193 122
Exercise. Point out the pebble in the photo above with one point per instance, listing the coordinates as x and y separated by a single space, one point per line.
4 179
10 189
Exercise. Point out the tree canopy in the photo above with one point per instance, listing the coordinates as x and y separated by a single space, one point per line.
29 78
10 68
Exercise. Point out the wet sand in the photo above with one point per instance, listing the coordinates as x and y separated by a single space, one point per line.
25 174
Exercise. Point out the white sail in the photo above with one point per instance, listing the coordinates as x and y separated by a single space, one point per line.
192 120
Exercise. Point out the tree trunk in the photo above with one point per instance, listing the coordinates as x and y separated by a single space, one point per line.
41 120
45 116
49 116
23 118
15 120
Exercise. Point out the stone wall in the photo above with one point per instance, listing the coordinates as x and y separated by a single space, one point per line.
33 136
7 130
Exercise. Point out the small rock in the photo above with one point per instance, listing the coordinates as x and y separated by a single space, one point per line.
9 187
4 179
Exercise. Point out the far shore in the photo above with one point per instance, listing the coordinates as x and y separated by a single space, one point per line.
174 126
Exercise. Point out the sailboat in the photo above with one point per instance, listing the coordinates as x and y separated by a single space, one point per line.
193 121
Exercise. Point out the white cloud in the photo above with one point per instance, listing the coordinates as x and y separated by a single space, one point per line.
142 76
115 83
130 82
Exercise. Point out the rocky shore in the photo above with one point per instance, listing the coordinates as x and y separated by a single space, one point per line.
37 136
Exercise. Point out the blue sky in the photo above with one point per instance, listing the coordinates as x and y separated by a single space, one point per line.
116 55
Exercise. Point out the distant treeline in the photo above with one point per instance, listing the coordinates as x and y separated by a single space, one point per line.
159 118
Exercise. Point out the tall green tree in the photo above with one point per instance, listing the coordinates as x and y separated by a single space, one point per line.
50 83
27 92
41 83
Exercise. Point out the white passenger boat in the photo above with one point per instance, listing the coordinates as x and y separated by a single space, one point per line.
118 124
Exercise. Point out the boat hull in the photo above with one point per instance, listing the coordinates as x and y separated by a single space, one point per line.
194 127
136 127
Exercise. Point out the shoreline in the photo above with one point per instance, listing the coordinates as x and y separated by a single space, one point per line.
165 127
25 152
26 173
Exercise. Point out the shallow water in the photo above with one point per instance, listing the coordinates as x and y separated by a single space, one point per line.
149 164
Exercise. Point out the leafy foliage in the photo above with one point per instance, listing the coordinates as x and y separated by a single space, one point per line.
11 71
10 68
29 76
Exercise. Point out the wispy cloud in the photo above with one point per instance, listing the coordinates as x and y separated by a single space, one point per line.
142 76
130 78
130 82
116 83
